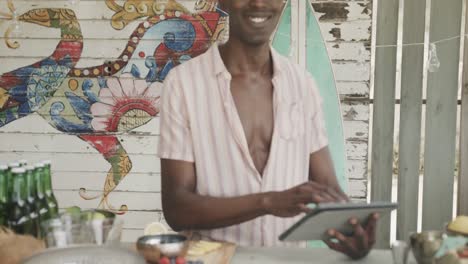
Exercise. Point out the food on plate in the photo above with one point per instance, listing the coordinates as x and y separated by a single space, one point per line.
202 247
459 225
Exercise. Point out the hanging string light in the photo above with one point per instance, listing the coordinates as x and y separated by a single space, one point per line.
433 63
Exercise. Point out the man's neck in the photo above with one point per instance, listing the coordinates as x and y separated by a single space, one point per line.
241 58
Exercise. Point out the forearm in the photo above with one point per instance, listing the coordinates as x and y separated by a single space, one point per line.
191 211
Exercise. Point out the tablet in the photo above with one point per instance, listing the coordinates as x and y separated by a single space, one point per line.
314 225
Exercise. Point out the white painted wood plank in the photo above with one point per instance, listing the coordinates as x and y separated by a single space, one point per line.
357 188
383 118
353 89
94 181
348 31
341 51
441 116
356 150
357 131
357 169
342 11
351 71
344 71
134 200
131 235
102 29
140 219
83 162
348 51
462 207
410 118
67 143
355 111
35 124
85 9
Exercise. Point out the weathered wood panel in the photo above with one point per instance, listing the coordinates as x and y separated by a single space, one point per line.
462 208
77 164
384 107
410 118
441 116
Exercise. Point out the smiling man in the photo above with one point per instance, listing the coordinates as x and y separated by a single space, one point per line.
243 145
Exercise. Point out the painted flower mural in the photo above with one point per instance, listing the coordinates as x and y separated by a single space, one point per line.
124 104
98 102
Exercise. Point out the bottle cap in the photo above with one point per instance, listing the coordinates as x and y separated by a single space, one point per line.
13 164
3 167
18 170
39 165
29 168
46 162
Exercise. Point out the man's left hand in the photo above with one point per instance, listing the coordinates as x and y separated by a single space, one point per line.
360 243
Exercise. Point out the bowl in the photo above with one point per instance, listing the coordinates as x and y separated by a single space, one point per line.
155 246
425 245
86 227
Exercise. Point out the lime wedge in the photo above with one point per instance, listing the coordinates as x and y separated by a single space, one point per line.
155 228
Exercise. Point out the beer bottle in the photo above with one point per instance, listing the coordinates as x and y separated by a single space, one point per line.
11 166
19 212
41 202
3 195
31 199
49 193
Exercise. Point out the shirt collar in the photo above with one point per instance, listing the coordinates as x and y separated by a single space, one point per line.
220 68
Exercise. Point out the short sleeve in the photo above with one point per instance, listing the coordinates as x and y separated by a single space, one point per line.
175 141
317 131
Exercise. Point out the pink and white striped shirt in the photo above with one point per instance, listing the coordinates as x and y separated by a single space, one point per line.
199 123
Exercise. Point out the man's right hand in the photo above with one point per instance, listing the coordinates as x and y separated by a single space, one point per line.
294 201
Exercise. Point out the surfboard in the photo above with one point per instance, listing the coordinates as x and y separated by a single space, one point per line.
318 63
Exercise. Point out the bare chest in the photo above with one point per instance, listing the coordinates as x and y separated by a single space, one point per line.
254 102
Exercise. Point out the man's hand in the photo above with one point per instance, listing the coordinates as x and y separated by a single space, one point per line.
294 201
360 243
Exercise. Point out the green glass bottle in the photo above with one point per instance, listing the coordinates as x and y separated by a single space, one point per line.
3 195
50 197
41 202
19 211
31 199
11 166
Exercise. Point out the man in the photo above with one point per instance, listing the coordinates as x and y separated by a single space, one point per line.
243 145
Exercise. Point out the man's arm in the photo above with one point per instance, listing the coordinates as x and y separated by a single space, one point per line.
321 170
184 209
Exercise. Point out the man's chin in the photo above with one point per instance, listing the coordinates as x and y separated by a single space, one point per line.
257 42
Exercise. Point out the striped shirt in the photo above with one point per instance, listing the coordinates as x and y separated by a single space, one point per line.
200 124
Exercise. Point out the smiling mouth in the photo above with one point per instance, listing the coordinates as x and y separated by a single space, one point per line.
258 20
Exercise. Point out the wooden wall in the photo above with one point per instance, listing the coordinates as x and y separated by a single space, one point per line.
346 26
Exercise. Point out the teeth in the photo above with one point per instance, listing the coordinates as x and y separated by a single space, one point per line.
258 19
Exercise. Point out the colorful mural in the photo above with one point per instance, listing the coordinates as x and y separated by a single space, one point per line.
99 102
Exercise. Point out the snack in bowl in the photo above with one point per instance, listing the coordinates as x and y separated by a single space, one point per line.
153 247
459 226
202 247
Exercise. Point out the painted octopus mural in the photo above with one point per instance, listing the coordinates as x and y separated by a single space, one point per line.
97 103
